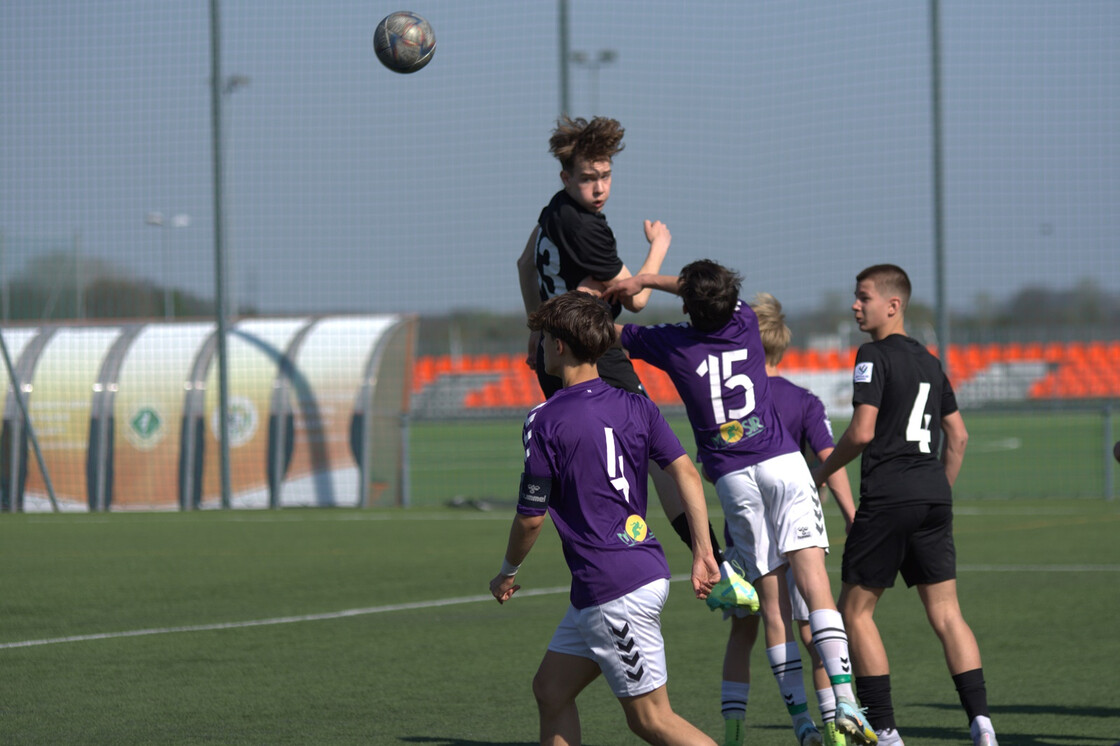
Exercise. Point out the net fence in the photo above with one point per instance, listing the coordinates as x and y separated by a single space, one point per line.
793 142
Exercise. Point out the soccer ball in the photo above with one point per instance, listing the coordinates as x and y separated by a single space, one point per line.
404 42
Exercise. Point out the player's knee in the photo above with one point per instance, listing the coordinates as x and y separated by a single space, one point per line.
550 697
644 723
947 622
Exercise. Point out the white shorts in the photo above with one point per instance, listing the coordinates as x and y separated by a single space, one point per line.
622 636
771 508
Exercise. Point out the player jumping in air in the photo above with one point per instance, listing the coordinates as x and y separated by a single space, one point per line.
573 248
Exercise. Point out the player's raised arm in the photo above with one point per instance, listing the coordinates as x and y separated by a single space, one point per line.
622 288
657 233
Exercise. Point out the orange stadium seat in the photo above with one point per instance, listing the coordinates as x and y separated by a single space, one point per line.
1013 352
1054 352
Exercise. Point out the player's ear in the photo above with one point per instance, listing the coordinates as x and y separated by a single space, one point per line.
565 177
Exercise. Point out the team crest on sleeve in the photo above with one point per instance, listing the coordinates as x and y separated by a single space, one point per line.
862 373
636 530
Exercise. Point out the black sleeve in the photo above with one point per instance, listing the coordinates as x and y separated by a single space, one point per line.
869 376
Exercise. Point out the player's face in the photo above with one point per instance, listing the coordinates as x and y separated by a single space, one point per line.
551 356
588 183
872 308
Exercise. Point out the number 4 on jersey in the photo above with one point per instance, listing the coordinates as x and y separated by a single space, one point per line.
917 427
618 478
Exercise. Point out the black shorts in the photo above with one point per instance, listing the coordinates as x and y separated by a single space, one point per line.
916 540
614 367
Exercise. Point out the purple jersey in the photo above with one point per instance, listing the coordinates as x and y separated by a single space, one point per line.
802 414
721 378
587 454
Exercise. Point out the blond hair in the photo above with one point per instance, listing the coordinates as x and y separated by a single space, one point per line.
772 327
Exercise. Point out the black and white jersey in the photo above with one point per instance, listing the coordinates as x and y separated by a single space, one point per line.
902 462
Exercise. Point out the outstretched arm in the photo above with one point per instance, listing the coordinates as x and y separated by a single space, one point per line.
658 236
705 571
621 289
841 489
522 536
851 444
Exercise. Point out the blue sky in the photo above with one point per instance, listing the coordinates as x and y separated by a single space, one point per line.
791 141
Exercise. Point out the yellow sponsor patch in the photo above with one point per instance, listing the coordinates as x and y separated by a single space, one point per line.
636 528
731 432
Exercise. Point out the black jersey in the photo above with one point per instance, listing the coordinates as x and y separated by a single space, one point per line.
574 243
901 464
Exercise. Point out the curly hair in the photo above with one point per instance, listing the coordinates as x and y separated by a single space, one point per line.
597 140
710 292
580 320
772 327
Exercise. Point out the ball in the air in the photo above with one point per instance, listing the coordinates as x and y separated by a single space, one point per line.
1116 450
404 42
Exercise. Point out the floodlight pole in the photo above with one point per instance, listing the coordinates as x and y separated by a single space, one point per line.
583 59
219 252
938 184
564 54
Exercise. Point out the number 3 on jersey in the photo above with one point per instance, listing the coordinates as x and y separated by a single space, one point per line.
917 427
721 377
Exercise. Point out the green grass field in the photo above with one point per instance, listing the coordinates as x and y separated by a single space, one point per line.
345 626
1011 455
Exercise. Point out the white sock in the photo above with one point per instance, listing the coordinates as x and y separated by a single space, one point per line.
889 737
831 642
785 664
980 724
733 696
826 700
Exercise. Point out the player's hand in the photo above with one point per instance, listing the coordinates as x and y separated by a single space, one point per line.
503 587
622 290
705 574
531 356
655 230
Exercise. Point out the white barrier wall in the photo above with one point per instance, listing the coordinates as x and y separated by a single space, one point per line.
127 414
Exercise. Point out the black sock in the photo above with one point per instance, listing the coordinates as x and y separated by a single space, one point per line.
973 693
874 693
680 525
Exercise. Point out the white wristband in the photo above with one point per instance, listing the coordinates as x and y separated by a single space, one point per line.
508 570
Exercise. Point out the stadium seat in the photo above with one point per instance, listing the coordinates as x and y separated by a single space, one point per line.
1054 352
